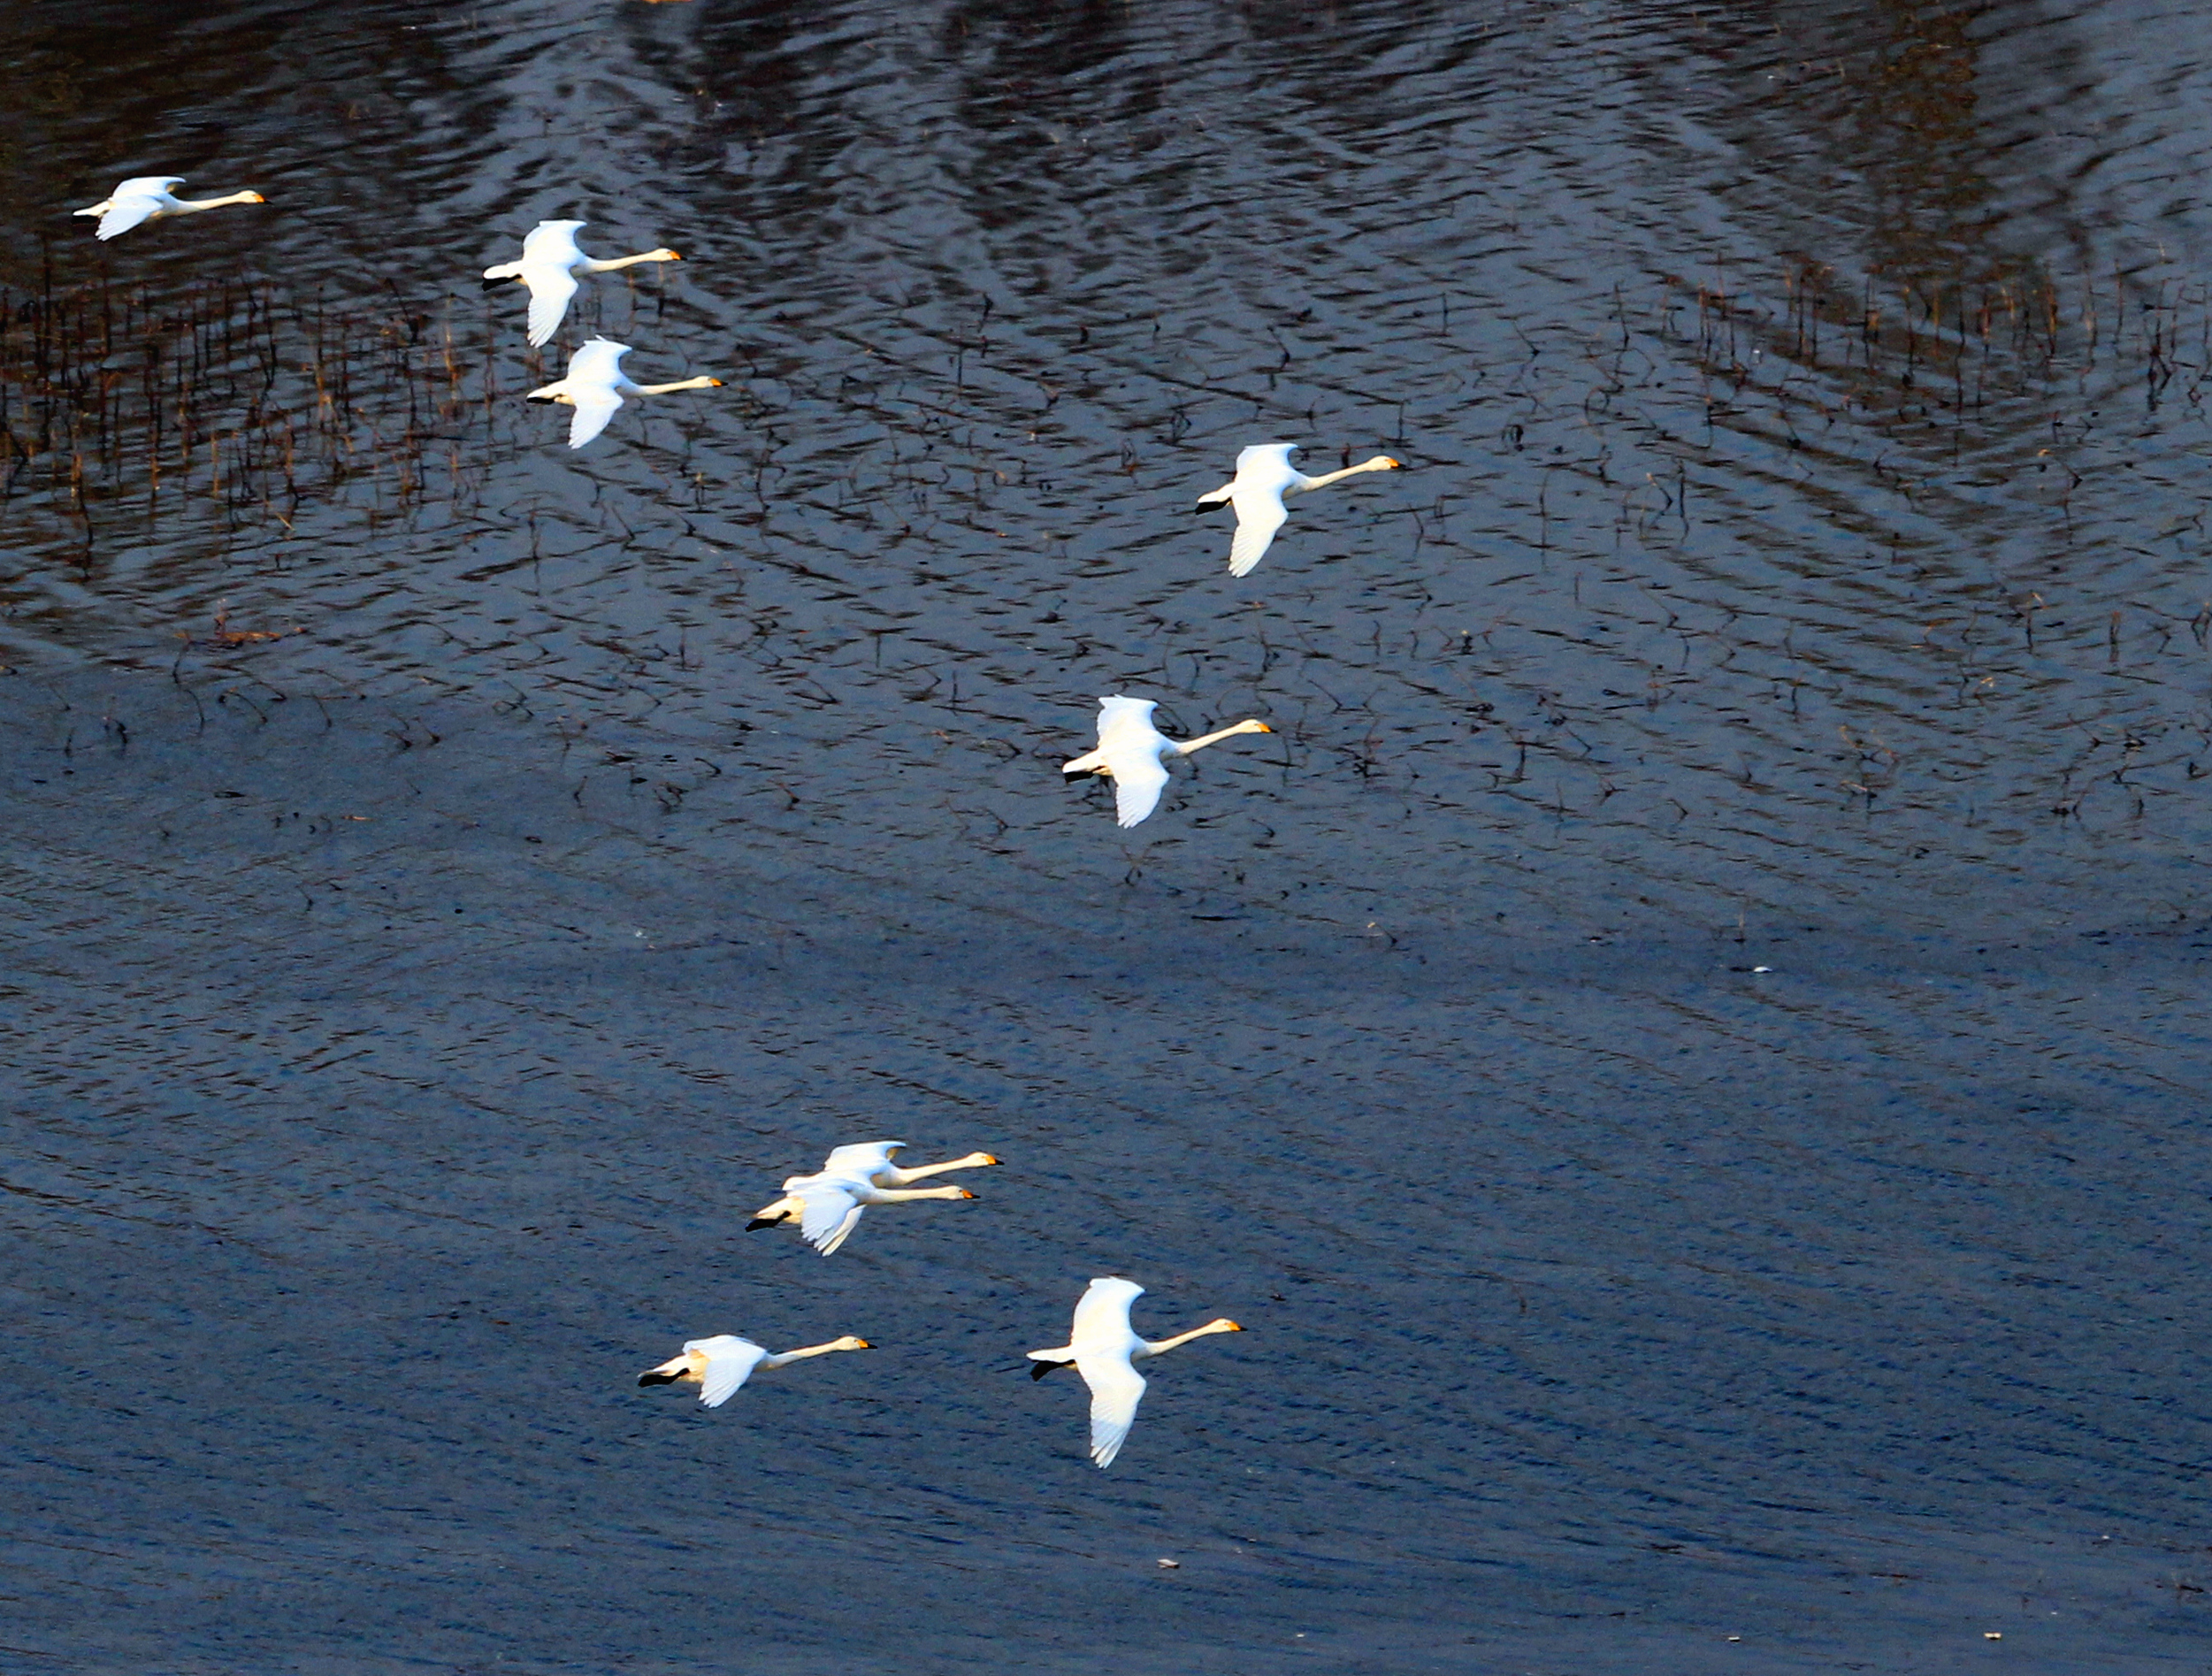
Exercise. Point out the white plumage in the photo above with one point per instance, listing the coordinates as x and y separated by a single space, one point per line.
1101 1346
549 268
725 1362
1264 475
826 1207
152 197
595 385
1131 750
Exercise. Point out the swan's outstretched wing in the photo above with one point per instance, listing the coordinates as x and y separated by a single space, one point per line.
863 1158
126 210
1139 778
729 1363
1115 1389
550 289
831 1212
1258 518
1102 1315
595 404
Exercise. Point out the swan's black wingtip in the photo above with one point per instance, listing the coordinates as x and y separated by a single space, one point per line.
1037 1370
760 1222
1205 506
656 1378
494 285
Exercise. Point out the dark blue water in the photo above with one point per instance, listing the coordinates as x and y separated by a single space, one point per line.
1685 1051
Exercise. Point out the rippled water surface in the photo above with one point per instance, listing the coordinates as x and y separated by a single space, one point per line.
1685 1049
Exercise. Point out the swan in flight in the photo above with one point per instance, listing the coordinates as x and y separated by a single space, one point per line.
723 1363
549 267
1100 1348
826 1207
1264 475
151 198
595 385
1130 751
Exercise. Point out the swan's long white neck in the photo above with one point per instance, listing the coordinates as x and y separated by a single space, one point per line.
614 265
789 1356
898 1177
900 1195
1185 747
1160 1347
1381 463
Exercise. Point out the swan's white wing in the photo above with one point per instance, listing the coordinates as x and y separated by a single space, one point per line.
1115 1389
1139 778
126 212
147 186
595 404
598 360
729 1363
550 289
863 1158
1102 1315
553 242
830 1211
1128 746
1258 518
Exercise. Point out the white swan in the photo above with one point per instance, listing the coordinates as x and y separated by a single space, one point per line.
1130 751
826 1207
151 198
1264 475
1101 1347
595 385
550 265
723 1363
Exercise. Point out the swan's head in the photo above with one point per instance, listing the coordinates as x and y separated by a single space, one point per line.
252 197
964 1193
662 255
1384 462
848 1343
1224 1325
1252 727
983 1158
714 384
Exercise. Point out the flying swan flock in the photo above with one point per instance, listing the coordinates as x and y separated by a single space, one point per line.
827 1206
